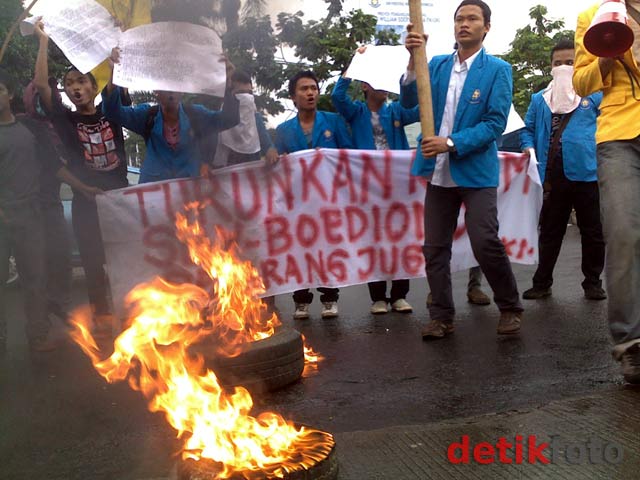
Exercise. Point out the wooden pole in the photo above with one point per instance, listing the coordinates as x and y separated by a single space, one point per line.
422 72
13 28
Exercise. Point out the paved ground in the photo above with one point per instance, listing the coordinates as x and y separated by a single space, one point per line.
393 401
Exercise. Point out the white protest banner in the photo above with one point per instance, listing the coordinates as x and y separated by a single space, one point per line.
366 66
171 56
317 218
83 29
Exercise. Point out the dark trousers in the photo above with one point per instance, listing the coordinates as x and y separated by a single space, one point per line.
442 206
378 290
326 295
89 238
58 259
556 209
475 278
21 231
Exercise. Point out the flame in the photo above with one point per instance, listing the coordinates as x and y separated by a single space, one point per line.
311 359
153 354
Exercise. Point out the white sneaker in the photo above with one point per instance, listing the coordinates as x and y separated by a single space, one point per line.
402 306
302 311
329 309
379 307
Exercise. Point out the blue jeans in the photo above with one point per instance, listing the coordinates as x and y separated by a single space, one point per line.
619 182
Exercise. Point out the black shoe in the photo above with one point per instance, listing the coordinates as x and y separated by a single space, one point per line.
536 293
593 292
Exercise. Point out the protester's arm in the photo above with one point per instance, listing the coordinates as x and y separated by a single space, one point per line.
76 184
494 119
408 84
408 115
408 93
267 149
527 135
113 59
279 141
341 101
133 118
265 139
219 120
41 77
590 73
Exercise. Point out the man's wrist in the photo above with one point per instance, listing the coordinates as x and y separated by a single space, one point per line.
450 145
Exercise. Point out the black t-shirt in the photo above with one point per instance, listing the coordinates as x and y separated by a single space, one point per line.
28 164
93 146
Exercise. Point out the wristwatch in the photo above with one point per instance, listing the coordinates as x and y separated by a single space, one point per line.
450 145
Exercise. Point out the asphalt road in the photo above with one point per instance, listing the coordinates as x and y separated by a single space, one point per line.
60 420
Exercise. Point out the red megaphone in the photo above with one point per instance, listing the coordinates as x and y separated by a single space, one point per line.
609 35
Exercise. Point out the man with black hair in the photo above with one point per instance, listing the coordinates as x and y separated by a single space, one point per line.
29 166
471 96
311 128
94 149
561 127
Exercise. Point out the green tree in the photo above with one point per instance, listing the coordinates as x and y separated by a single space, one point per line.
20 58
530 55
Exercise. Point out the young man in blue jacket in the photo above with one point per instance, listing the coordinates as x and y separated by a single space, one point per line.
175 134
378 125
561 128
311 128
471 95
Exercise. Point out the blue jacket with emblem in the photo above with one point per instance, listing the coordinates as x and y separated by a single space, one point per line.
480 119
329 131
578 138
393 118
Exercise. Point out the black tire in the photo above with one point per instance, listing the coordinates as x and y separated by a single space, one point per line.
262 366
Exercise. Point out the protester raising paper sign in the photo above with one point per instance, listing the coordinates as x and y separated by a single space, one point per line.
83 29
380 66
171 56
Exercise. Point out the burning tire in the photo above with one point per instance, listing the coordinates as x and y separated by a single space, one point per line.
264 365
324 465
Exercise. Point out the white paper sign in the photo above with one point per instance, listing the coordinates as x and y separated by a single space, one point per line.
171 56
381 66
317 218
83 29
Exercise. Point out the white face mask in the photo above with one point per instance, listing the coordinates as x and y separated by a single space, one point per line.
560 95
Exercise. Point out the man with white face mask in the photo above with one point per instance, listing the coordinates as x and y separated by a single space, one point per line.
560 127
249 140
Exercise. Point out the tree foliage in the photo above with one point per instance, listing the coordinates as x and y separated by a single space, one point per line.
530 55
20 58
272 55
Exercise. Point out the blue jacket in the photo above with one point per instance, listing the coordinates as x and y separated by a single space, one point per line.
578 138
329 131
393 118
480 119
161 162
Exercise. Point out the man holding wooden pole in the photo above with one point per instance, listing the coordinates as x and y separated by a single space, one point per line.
471 97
